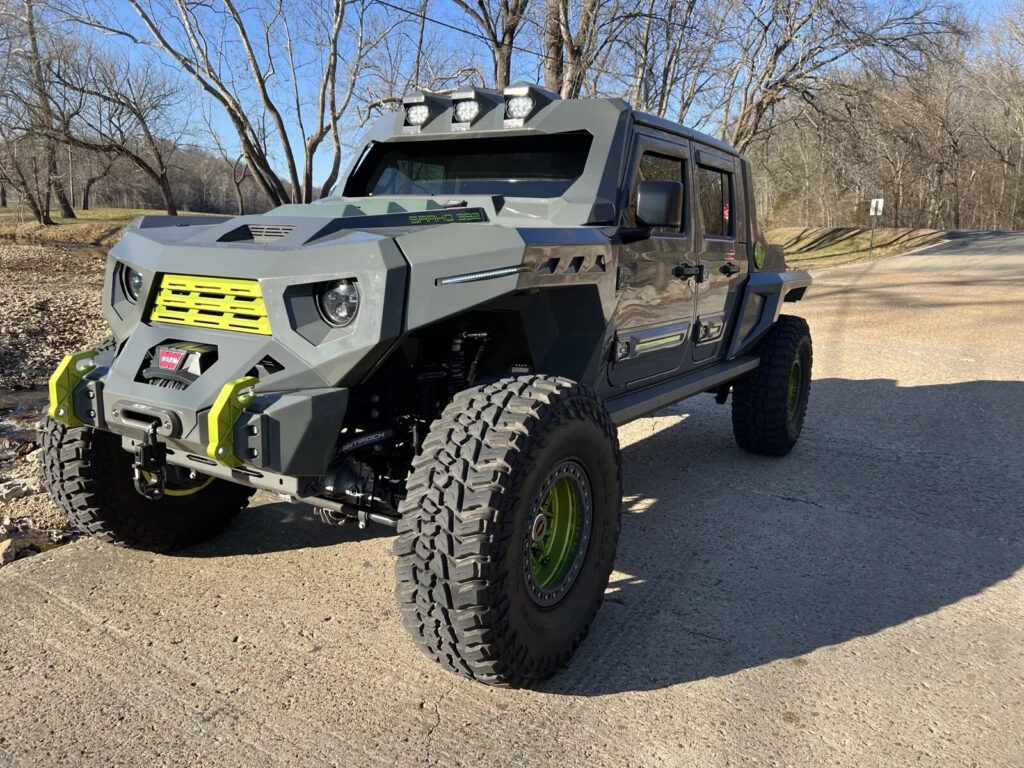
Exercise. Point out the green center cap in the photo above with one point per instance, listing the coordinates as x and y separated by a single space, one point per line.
556 533
794 386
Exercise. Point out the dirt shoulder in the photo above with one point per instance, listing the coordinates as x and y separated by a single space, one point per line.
49 304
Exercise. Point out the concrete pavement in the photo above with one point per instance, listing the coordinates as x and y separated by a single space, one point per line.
860 602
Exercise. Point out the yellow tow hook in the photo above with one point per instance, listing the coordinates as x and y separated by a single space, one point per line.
220 422
72 369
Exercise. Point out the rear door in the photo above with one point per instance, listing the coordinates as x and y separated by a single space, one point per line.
721 249
654 310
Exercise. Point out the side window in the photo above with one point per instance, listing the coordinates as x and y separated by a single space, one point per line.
714 190
654 167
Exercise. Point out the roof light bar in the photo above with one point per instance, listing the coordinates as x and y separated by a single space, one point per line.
523 101
421 108
471 105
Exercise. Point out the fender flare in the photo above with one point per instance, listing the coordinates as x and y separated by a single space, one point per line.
761 305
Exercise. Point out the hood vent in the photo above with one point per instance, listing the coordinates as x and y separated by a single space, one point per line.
256 233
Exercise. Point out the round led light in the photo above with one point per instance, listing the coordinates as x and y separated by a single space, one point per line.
339 302
466 111
417 114
131 281
519 107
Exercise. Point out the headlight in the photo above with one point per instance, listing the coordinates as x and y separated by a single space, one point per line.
339 302
466 111
131 282
519 107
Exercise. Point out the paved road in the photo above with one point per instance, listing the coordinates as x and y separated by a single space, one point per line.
858 603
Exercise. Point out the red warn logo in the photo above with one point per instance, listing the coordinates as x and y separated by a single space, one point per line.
169 359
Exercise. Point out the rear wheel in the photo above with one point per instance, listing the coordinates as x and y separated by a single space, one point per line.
509 528
769 403
89 476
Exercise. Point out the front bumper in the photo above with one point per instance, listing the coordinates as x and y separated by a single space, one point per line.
289 433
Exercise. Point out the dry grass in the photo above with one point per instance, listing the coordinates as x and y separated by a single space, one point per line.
97 226
820 247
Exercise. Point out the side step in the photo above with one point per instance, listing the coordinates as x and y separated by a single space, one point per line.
633 405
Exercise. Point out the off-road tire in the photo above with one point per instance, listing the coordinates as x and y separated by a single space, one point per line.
89 476
465 522
762 420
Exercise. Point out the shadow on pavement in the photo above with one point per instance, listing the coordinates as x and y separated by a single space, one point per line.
897 502
278 528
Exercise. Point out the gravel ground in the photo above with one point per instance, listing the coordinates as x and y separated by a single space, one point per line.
857 603
49 305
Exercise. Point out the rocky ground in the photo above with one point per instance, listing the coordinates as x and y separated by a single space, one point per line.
49 305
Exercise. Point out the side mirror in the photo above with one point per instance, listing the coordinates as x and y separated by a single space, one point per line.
660 204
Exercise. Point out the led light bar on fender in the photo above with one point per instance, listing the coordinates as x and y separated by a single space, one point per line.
487 274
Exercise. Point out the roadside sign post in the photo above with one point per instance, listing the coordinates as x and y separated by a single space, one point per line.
876 211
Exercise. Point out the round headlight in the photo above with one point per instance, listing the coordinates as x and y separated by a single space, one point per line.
519 107
339 302
417 114
466 111
131 281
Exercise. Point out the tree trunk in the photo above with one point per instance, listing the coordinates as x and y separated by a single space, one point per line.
3 195
168 194
66 210
553 66
502 65
86 189
239 198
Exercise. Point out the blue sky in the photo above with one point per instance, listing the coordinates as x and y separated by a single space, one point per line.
464 49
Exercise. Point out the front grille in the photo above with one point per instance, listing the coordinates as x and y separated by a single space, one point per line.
225 303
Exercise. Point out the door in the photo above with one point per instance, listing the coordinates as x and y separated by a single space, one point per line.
722 250
654 309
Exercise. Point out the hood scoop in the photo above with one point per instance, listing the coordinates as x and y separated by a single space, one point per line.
256 233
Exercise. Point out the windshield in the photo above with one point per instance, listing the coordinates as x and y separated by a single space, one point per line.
543 165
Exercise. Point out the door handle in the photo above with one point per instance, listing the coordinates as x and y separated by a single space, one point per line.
729 268
686 271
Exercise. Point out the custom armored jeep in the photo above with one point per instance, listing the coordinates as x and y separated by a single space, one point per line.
447 348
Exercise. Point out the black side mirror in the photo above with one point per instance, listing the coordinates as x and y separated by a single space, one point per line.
660 204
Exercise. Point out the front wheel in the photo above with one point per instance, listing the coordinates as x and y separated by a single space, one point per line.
508 529
89 476
769 403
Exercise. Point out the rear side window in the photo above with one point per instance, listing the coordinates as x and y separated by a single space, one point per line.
714 190
654 167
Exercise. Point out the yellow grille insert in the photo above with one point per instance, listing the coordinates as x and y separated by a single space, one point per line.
225 303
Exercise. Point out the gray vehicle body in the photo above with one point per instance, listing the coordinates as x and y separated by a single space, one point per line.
566 286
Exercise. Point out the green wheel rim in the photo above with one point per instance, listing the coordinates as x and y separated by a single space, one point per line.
795 376
558 533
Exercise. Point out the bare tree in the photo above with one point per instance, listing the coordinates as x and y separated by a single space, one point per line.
27 147
114 106
99 169
571 53
499 22
278 71
785 50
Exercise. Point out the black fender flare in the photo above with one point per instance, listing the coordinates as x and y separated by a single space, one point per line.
761 305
